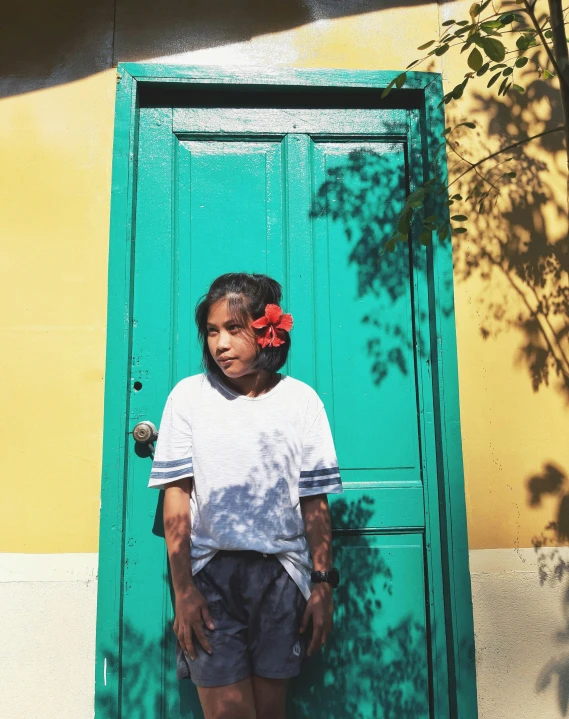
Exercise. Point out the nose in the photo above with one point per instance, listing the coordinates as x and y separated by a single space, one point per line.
223 342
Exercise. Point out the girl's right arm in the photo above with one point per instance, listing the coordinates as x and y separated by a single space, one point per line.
191 608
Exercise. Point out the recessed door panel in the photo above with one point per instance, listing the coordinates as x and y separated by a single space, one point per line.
364 330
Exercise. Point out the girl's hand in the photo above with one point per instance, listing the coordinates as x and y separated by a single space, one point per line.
192 614
320 608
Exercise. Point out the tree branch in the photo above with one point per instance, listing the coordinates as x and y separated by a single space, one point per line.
562 59
562 76
507 149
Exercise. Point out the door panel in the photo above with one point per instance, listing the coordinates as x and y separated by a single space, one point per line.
292 205
234 192
372 408
376 663
228 216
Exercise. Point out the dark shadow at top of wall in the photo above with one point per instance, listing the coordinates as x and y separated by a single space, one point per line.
45 44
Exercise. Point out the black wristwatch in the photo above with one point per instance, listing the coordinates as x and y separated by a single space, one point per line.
331 577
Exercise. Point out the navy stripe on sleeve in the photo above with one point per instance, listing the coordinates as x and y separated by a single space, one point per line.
320 472
171 463
319 482
178 473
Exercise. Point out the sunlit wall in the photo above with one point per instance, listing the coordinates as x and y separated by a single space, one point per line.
56 129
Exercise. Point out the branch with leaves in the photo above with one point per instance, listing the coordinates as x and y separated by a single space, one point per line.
497 44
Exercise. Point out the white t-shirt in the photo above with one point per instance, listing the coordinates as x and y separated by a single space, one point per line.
251 458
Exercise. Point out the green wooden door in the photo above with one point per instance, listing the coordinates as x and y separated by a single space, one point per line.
307 196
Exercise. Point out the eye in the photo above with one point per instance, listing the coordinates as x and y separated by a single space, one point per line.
211 331
234 328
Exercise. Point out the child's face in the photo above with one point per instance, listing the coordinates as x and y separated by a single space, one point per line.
232 345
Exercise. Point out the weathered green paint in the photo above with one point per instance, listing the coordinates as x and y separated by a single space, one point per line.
205 175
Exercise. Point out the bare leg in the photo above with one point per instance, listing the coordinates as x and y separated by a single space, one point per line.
270 697
233 701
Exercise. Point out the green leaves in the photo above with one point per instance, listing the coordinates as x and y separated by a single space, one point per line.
490 25
493 79
504 86
426 45
494 48
521 62
398 82
441 49
526 40
509 18
412 211
458 90
475 59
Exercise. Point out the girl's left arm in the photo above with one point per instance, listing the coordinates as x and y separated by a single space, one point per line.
320 607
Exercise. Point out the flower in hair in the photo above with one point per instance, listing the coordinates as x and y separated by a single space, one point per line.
275 324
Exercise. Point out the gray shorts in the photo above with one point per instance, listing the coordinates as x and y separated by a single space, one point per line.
257 610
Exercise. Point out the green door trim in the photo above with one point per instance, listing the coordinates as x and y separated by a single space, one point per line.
427 92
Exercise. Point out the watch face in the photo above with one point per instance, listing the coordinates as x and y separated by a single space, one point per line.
334 577
331 577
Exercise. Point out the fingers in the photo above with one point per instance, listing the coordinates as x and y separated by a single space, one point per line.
326 632
201 637
320 632
305 619
207 620
187 644
316 639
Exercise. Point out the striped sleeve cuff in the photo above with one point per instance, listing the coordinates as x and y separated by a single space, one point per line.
320 481
164 472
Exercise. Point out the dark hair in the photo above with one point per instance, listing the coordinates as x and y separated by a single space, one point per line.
247 296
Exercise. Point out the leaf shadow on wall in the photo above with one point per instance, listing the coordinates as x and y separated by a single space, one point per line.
515 249
553 568
516 246
381 653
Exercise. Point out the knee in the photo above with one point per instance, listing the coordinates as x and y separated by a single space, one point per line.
233 710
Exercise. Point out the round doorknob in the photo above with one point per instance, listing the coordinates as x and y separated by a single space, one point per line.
145 432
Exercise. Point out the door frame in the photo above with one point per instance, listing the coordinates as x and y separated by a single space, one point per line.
427 91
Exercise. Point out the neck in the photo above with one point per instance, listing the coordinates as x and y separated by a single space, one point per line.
254 384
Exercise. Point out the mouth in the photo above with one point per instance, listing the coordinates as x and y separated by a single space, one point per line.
225 361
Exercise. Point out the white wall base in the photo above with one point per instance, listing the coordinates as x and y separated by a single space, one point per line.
48 610
522 634
47 635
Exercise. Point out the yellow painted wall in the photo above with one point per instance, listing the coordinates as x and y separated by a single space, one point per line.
55 155
56 125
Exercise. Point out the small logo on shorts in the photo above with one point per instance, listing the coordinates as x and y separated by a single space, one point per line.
296 649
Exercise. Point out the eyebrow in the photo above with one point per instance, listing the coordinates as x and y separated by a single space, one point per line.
234 321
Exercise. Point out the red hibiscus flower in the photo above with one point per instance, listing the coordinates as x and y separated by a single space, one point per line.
275 324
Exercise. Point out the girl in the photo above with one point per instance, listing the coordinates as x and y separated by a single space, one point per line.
246 457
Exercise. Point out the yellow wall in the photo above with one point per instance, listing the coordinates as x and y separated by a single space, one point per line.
55 148
56 125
